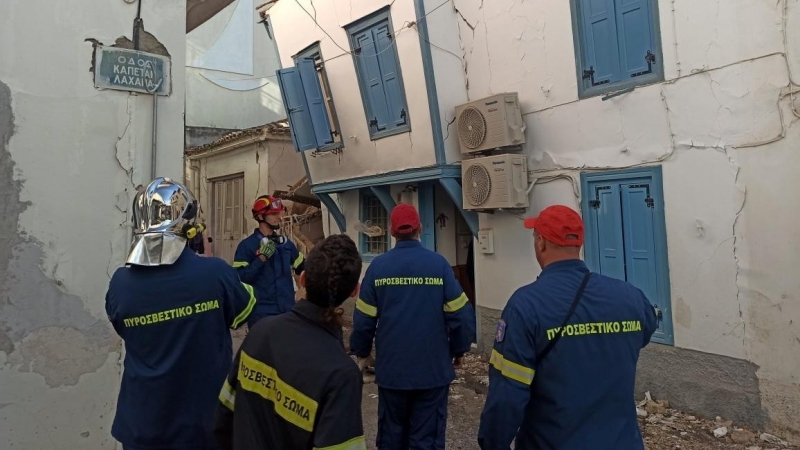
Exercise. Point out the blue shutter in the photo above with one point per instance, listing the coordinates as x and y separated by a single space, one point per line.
387 59
640 248
316 102
294 100
426 215
608 226
635 36
601 51
373 81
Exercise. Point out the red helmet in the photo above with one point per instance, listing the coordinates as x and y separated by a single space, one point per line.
266 205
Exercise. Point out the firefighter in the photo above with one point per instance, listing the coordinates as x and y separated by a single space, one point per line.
292 386
266 259
580 333
423 323
173 309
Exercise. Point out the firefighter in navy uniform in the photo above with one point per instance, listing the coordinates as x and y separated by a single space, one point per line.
173 309
265 259
292 386
422 322
580 333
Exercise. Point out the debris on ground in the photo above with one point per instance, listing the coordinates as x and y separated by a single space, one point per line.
662 426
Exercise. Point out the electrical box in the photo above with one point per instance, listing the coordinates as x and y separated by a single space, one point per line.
486 241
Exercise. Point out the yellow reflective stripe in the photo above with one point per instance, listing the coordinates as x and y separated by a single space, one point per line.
299 260
455 305
248 309
510 369
289 403
353 444
366 308
227 395
237 264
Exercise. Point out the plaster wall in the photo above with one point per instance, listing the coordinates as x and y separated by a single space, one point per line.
296 29
218 92
723 127
71 157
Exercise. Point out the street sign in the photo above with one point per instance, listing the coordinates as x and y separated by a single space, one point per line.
131 70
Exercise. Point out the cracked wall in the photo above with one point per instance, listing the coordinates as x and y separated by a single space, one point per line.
724 128
295 30
71 157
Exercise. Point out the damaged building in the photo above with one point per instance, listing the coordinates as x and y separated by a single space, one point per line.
671 125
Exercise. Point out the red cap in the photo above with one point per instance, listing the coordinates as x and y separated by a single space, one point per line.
405 219
558 224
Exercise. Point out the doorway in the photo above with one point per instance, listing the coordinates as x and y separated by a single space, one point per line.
227 215
626 236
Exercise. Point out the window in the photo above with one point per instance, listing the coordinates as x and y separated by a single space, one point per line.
617 44
372 42
313 53
626 237
308 105
373 213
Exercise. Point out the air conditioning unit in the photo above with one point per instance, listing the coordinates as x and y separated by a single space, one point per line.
495 182
490 123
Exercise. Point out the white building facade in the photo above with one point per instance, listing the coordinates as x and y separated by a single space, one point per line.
231 84
671 125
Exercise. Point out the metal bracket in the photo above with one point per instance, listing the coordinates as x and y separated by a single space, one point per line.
650 58
589 75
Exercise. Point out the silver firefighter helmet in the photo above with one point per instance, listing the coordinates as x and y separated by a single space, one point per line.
162 213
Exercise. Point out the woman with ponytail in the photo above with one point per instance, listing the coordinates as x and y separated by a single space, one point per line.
292 386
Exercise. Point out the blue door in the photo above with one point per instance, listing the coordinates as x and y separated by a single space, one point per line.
624 222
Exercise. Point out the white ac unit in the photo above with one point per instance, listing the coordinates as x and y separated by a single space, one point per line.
490 123
495 182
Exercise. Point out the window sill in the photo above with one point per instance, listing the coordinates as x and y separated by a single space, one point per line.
368 257
618 86
392 132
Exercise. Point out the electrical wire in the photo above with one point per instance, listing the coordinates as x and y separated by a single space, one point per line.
395 33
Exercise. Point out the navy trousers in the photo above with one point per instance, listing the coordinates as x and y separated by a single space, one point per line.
412 420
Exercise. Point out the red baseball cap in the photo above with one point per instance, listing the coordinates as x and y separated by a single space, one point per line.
404 219
558 224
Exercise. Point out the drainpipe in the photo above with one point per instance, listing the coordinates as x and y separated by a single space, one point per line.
155 123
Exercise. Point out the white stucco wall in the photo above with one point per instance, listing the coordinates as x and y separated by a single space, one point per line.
227 97
71 157
295 30
723 129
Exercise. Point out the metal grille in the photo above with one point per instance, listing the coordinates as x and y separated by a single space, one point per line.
373 213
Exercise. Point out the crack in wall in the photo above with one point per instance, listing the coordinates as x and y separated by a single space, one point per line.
43 328
448 128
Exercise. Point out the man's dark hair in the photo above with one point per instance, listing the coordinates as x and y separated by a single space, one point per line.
407 235
332 269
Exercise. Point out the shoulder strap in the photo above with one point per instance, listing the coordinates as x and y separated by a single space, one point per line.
572 308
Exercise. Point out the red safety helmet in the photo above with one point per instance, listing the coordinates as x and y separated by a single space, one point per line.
266 205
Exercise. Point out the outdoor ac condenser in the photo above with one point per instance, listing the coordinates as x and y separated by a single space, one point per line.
490 123
495 182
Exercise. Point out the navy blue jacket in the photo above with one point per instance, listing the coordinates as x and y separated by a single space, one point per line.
175 322
272 280
414 307
582 396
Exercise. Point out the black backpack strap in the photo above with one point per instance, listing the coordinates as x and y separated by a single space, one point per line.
572 308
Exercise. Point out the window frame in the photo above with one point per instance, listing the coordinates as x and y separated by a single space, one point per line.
578 34
370 21
363 195
591 245
314 52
